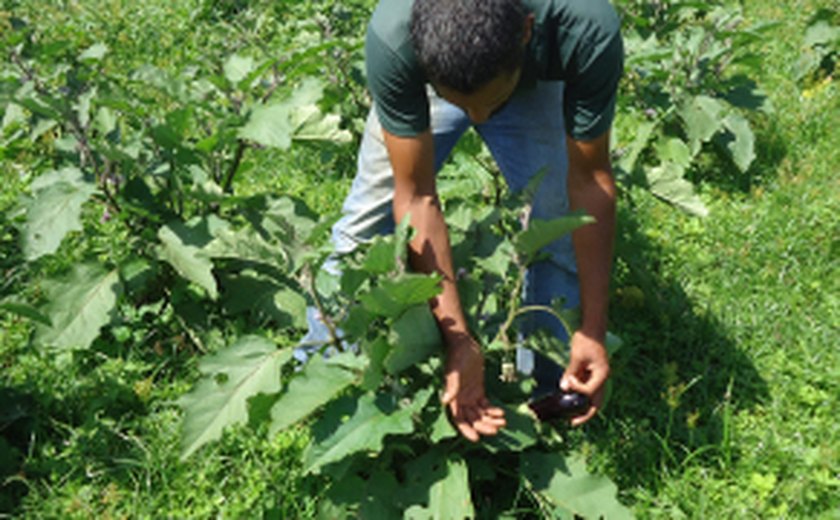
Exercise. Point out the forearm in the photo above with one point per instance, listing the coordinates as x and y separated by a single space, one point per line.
430 252
594 194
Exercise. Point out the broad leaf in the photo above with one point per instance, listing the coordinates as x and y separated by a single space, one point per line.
272 125
237 68
743 147
541 233
518 434
393 297
449 496
54 210
316 385
375 417
702 118
666 182
181 247
249 367
567 485
79 306
414 336
310 124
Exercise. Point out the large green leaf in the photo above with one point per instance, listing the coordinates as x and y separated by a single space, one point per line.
567 485
666 182
518 434
181 246
541 233
702 118
394 296
414 337
742 147
449 495
375 417
275 124
54 210
79 306
249 367
317 384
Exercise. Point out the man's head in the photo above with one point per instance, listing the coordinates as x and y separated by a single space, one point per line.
464 45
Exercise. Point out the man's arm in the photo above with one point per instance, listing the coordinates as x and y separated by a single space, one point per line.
415 192
591 189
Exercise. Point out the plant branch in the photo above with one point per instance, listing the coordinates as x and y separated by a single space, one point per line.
237 160
309 280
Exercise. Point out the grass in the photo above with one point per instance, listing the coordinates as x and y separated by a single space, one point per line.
725 395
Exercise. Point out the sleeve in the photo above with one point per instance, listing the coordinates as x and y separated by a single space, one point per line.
398 89
589 100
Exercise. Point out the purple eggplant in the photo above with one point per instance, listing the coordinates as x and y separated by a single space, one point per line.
560 405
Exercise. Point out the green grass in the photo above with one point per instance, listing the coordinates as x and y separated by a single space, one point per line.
725 395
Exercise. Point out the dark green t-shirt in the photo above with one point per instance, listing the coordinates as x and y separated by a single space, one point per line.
575 41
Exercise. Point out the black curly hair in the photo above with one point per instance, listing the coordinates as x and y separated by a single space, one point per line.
464 44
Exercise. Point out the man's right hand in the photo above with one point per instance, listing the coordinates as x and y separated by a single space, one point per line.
471 412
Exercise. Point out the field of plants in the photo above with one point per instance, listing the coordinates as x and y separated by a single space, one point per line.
170 174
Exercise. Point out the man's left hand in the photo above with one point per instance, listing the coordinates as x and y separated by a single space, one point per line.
588 370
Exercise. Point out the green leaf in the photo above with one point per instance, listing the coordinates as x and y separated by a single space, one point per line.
674 150
25 310
79 306
394 296
666 182
442 428
375 417
249 367
702 118
237 68
316 385
567 485
54 211
181 246
379 258
94 53
272 125
310 124
449 497
518 434
414 336
642 133
541 233
743 147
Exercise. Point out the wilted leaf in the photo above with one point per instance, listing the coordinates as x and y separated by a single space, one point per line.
666 182
54 210
374 418
79 306
318 383
414 337
567 485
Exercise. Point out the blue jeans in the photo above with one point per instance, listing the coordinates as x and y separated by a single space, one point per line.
526 136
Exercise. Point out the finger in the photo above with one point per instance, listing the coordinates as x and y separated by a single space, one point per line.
577 421
451 390
571 383
486 428
466 429
490 410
